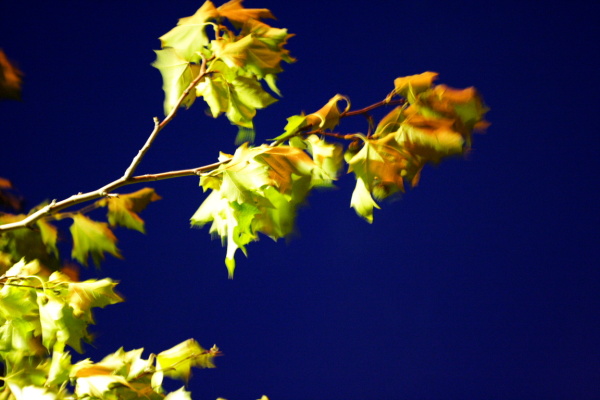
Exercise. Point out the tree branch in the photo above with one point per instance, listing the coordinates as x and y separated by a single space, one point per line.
127 178
158 126
79 198
372 107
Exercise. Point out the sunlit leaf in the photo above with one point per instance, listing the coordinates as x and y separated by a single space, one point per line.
189 36
238 15
180 394
83 296
259 191
328 156
177 74
178 361
410 86
329 114
49 235
123 209
91 238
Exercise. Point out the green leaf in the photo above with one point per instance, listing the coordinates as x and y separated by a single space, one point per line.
49 235
258 190
91 238
239 98
97 385
189 36
245 96
178 361
83 296
27 243
215 91
328 156
123 209
59 324
60 368
295 123
177 74
381 165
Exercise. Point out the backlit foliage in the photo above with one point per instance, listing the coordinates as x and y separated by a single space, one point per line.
230 58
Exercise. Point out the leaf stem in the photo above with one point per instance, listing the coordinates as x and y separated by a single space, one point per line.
372 107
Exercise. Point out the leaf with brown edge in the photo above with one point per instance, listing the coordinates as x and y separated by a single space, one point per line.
329 114
464 104
49 236
91 238
123 209
409 86
430 139
238 15
250 54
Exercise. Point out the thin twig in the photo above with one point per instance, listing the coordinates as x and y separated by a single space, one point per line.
372 107
127 178
57 206
158 126
303 131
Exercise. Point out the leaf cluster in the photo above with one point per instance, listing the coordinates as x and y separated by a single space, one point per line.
226 51
231 58
258 189
90 238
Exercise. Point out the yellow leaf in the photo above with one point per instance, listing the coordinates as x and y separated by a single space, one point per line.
410 86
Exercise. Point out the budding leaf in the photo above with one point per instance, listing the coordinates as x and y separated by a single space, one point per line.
91 238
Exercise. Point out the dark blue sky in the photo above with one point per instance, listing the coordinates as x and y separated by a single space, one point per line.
482 283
